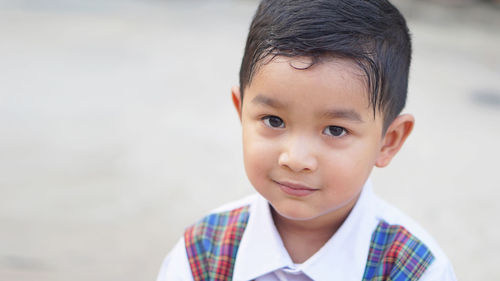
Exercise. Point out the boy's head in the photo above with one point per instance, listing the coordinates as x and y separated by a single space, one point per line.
322 83
372 33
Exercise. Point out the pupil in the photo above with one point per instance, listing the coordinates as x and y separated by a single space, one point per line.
336 131
275 121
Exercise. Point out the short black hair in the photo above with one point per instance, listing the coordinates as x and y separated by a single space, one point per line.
372 33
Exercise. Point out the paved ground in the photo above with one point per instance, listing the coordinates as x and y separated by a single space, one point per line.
117 131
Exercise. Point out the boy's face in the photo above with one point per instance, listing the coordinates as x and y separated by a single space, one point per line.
310 138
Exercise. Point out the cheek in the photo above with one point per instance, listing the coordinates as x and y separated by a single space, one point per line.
259 156
349 169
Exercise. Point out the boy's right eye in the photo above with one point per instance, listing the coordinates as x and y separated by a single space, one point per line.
273 121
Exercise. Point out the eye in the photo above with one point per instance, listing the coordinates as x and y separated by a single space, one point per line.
273 121
334 131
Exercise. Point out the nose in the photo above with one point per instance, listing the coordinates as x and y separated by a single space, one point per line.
298 155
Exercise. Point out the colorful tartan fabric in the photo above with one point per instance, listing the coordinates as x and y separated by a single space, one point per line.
212 244
396 255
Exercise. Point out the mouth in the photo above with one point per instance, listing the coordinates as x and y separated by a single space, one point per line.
295 189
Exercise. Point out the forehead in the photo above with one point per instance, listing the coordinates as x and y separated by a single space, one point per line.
342 72
329 82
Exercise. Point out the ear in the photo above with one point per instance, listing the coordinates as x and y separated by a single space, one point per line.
236 95
394 138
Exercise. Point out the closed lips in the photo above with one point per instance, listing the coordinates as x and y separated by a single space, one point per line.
295 186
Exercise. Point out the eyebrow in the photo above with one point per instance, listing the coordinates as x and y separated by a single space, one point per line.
263 100
347 114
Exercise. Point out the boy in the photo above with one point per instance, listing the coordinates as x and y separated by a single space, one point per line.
322 85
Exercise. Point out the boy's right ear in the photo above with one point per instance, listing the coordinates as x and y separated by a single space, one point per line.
236 95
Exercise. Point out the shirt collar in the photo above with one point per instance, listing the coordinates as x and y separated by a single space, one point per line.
261 250
343 257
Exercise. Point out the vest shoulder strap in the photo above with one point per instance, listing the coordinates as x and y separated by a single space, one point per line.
212 244
396 254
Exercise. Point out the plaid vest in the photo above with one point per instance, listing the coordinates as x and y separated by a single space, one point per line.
396 255
212 244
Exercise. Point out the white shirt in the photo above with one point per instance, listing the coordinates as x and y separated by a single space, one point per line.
262 256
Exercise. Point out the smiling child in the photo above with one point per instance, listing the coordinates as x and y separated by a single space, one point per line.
322 87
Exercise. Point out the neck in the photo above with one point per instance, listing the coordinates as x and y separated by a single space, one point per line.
303 238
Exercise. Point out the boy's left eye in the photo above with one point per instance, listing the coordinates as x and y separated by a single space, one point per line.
334 131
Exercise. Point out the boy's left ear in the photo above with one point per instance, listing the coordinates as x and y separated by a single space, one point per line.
394 138
236 96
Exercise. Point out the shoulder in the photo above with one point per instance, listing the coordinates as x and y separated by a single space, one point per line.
395 217
176 265
405 240
229 217
216 227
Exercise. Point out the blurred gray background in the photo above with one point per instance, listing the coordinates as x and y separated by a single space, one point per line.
117 131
